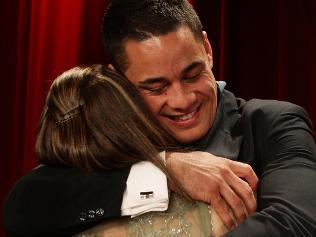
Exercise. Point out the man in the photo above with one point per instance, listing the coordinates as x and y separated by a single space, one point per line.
160 46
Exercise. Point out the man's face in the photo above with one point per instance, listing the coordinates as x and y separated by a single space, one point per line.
173 74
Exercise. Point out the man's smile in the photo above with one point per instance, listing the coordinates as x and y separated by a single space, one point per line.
184 119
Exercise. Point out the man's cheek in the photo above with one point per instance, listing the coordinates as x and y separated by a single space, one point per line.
153 105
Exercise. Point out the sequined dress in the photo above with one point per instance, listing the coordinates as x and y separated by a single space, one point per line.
183 218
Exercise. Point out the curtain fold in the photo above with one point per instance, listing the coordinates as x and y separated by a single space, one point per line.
263 49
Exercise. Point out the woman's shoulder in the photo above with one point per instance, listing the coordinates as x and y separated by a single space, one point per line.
183 218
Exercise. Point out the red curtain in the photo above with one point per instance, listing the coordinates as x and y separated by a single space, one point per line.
263 49
39 40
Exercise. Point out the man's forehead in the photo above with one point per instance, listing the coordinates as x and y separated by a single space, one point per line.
161 56
156 42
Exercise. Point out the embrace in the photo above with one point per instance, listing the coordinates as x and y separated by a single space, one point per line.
153 131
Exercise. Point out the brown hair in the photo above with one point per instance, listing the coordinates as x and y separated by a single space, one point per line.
94 119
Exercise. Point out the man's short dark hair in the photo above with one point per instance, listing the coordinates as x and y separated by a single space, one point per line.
141 19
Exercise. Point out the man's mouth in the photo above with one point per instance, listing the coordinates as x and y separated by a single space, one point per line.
185 117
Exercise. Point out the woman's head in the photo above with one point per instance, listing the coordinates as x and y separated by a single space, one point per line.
95 119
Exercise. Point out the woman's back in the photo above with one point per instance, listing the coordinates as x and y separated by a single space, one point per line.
183 218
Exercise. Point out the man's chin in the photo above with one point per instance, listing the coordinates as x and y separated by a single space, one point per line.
187 135
188 138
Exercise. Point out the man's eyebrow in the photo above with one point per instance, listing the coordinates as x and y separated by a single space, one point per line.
193 65
151 81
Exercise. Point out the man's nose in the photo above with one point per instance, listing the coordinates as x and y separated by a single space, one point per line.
180 98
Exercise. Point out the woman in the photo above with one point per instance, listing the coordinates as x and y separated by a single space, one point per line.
94 119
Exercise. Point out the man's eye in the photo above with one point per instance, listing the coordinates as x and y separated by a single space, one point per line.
193 77
156 90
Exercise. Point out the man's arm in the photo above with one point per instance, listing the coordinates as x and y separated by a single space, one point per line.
53 201
286 162
283 149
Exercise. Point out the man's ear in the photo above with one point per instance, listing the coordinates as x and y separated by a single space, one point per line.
110 66
208 48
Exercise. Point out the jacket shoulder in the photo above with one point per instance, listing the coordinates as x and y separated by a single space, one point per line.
267 111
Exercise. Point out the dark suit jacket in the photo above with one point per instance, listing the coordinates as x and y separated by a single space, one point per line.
274 137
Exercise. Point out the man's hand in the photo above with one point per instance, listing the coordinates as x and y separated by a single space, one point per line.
217 181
